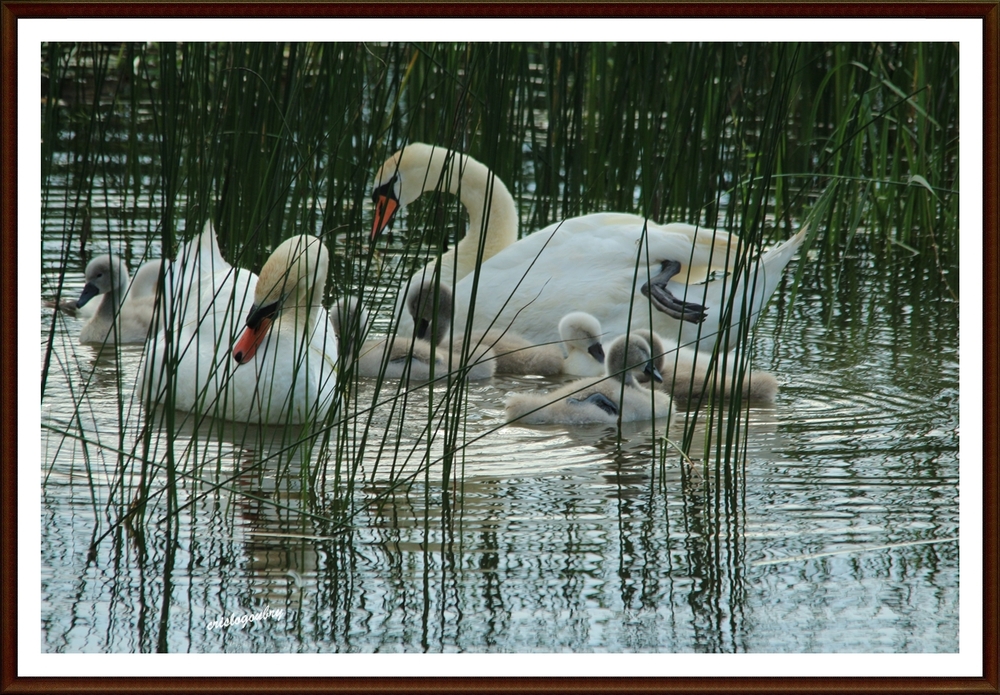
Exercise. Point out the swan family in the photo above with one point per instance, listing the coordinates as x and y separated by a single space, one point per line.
686 283
263 348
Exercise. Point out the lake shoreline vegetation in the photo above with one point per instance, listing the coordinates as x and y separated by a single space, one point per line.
145 144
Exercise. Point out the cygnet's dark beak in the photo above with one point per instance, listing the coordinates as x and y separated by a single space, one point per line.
597 352
89 292
423 326
653 372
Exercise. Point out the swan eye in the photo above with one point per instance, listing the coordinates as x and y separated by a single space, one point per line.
258 314
389 189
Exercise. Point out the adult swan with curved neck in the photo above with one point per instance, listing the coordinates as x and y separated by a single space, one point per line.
419 168
243 348
676 279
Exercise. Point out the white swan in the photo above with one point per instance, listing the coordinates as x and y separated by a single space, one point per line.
676 279
126 307
288 345
687 378
283 364
493 216
602 400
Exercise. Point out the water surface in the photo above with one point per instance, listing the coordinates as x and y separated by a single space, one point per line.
835 532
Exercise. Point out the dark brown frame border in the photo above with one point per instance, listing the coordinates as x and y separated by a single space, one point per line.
986 10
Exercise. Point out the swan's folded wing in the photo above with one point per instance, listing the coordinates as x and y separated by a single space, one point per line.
598 399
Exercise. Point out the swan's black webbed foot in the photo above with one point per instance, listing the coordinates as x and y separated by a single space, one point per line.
600 400
664 300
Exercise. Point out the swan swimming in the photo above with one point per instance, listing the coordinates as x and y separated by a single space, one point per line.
675 279
687 378
244 348
602 400
580 351
289 346
127 304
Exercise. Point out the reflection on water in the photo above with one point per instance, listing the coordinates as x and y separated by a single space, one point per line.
422 523
832 535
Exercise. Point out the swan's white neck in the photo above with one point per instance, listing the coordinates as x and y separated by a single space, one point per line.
112 300
294 277
485 197
108 307
300 313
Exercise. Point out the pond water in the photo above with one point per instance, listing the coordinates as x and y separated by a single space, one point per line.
828 524
832 530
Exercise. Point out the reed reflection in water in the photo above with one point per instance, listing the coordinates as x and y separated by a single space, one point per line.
548 539
823 524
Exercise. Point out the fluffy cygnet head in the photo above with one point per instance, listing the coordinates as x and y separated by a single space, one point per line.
430 305
104 274
579 330
627 353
